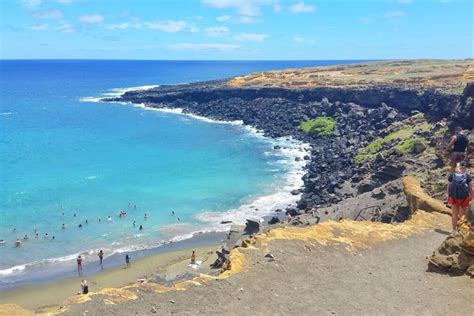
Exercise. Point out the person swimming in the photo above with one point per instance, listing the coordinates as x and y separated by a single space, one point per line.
140 228
172 213
74 215
87 222
14 230
63 226
100 220
109 218
46 235
36 235
25 237
146 216
53 238
17 242
2 241
134 223
80 226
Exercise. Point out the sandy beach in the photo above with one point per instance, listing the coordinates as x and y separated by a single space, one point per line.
168 267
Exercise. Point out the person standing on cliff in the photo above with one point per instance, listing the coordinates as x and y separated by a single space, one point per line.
457 147
460 190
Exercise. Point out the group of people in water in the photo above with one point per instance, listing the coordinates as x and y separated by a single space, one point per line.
122 214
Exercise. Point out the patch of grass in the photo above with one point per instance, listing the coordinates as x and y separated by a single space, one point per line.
406 146
359 158
322 125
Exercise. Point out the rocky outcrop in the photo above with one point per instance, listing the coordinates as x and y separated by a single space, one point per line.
418 199
456 254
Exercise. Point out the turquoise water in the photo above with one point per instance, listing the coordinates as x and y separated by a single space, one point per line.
60 154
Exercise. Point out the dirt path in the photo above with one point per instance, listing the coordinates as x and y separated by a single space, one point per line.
307 279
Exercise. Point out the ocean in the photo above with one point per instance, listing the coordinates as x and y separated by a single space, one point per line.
66 159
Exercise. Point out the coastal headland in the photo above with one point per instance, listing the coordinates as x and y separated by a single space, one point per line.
375 177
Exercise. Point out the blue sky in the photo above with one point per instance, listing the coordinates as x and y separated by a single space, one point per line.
236 29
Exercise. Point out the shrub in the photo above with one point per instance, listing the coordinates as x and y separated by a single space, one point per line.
322 125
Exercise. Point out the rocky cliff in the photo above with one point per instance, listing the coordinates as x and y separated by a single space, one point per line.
381 117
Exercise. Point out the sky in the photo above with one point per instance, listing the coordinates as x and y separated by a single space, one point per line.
236 29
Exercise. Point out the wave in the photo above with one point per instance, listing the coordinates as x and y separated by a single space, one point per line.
6 113
116 92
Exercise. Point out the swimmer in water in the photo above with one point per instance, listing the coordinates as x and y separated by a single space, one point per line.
36 235
36 231
2 241
53 238
14 230
135 206
179 219
146 216
100 220
109 218
80 226
25 237
141 227
46 235
134 223
172 213
87 222
63 226
75 215
17 243
62 213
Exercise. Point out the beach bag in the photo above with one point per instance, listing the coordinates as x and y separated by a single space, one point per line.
459 188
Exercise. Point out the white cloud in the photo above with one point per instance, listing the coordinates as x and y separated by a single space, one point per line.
169 26
404 1
66 28
298 39
39 27
30 4
301 7
394 14
277 7
203 47
193 29
53 14
118 26
223 18
217 31
65 1
243 7
251 37
92 18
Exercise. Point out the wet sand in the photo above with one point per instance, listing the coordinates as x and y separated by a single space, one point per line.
167 266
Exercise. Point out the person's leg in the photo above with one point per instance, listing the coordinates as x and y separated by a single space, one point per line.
454 215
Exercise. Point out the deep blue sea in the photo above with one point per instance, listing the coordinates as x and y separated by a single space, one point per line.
67 160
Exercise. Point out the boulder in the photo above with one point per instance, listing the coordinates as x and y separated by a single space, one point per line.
274 220
252 227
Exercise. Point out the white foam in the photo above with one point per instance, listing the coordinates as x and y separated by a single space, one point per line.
91 177
6 113
116 92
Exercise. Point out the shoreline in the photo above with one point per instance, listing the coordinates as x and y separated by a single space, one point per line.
167 267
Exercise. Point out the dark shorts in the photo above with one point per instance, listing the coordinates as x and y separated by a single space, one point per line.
457 156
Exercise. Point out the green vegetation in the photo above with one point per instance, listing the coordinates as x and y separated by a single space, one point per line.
405 137
322 125
406 146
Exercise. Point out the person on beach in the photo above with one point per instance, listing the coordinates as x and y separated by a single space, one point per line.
101 256
460 190
85 287
79 265
17 242
193 258
127 260
457 147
